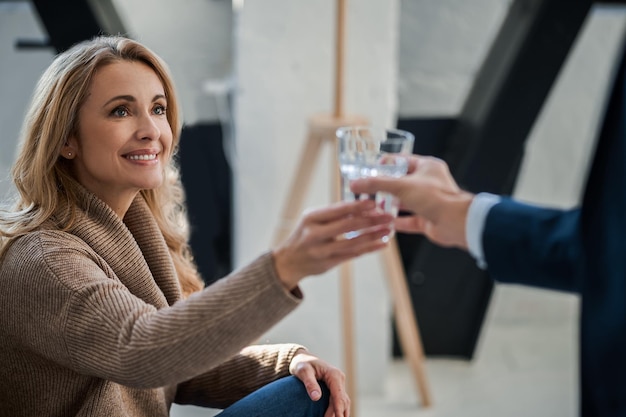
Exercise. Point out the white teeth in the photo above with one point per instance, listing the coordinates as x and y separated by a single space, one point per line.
142 157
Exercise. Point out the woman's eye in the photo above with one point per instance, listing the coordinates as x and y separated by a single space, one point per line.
120 111
159 110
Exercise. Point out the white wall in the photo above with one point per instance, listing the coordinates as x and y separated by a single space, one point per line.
194 37
442 45
562 141
19 70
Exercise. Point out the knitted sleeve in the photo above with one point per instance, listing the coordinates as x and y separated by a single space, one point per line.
71 309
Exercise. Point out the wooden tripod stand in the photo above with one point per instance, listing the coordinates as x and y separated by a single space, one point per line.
321 130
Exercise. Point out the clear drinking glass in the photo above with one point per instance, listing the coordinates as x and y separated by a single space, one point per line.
367 151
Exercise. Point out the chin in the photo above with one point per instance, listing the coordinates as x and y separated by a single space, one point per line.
154 182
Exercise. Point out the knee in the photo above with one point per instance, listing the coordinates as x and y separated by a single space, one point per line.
306 404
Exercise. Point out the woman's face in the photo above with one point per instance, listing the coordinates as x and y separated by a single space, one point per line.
124 140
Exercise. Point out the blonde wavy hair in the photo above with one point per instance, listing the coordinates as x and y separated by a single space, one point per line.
44 180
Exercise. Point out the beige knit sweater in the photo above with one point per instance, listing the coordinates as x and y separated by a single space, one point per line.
92 323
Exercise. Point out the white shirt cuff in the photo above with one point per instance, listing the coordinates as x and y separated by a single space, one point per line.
476 217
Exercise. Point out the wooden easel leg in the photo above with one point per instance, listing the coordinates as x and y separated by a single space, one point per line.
347 315
408 332
346 291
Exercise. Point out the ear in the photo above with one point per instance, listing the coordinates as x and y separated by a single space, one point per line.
68 151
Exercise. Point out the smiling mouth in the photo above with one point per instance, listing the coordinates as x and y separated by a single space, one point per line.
150 157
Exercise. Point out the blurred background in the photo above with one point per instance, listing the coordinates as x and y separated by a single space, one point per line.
509 92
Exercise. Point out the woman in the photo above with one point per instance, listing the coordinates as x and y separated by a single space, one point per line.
103 311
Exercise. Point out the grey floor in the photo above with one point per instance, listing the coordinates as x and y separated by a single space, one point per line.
525 365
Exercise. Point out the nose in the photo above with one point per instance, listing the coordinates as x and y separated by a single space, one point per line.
147 128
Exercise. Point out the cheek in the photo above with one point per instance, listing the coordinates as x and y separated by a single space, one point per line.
102 145
167 138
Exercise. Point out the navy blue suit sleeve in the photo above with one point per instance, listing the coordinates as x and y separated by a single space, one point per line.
535 246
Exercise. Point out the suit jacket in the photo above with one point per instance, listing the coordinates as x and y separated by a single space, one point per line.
582 250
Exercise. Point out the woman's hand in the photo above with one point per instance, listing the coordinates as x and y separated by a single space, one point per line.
310 369
318 245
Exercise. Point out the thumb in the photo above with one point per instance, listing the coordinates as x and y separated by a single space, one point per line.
306 374
314 390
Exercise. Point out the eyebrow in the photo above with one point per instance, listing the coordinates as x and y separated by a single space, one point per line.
132 99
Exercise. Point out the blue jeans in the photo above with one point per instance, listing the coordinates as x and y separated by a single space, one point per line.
285 397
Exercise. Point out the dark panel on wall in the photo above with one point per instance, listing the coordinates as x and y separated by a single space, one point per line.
70 21
449 305
484 148
509 91
207 179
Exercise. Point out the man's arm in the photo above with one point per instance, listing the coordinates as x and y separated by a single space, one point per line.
534 246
